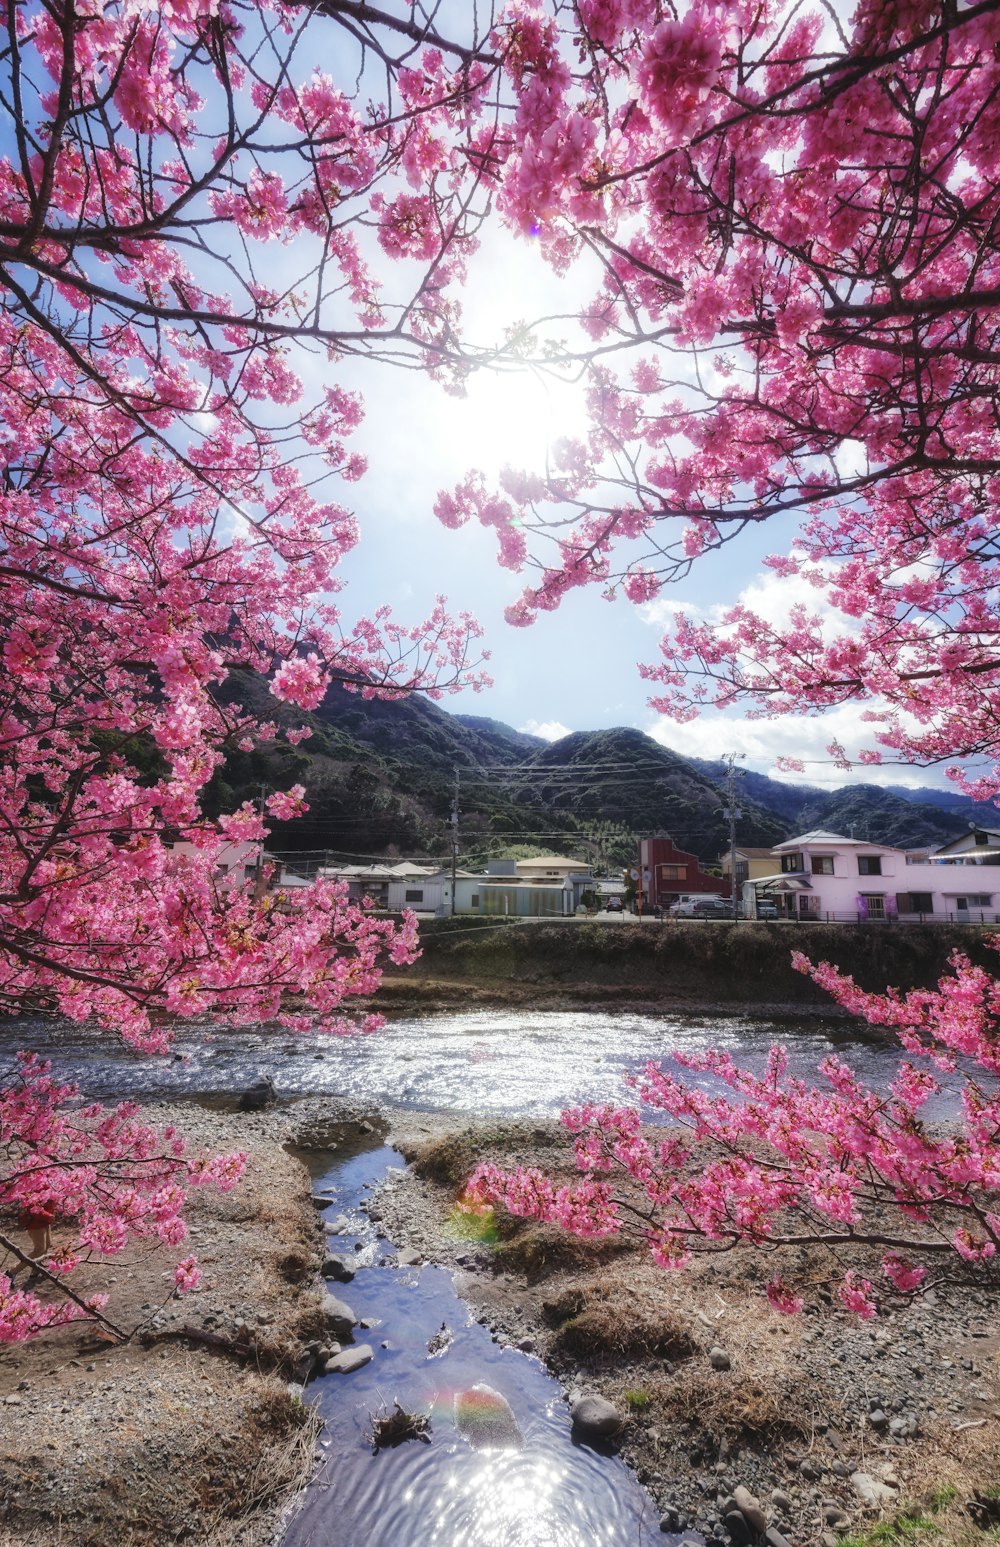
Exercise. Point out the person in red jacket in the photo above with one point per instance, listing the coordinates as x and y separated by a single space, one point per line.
37 1220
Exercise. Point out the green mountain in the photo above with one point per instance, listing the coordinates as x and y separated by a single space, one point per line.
382 778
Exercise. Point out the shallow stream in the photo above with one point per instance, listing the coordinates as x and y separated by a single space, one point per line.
548 1492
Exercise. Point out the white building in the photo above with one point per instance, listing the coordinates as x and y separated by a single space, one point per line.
822 875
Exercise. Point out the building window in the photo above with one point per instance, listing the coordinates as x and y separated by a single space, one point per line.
822 864
975 900
869 864
915 902
808 907
874 905
791 863
742 871
414 894
982 839
672 872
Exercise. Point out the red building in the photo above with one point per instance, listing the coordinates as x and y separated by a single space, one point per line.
668 873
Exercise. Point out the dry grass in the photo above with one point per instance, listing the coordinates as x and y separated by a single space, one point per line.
538 1251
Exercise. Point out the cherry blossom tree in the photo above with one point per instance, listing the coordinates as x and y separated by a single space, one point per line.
207 210
795 218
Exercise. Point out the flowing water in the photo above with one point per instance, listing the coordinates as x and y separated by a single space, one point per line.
550 1491
501 1063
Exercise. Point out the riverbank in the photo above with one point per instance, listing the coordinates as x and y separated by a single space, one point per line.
831 1423
661 967
192 1430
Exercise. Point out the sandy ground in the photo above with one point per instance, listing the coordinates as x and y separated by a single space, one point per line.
912 1400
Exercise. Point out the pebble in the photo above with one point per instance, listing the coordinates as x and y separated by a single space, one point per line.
719 1359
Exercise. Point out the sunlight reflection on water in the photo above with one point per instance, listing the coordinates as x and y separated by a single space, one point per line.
497 1062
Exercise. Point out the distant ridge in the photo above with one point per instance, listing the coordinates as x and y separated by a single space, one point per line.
380 778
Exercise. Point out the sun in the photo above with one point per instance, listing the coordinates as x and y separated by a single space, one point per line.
513 417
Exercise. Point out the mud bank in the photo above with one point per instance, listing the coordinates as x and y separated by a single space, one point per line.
665 966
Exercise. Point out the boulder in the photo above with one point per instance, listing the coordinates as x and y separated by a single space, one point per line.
486 1419
339 1226
337 1315
870 1491
259 1095
749 1508
349 1359
594 1418
336 1268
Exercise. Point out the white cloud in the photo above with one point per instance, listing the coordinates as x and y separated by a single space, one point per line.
549 730
662 613
764 741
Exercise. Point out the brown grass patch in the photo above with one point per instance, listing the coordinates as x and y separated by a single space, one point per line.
539 1250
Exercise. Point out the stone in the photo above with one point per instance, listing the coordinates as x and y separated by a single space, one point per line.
486 1419
810 1470
740 1533
781 1500
339 1226
409 1257
259 1095
836 1517
337 1268
878 1419
904 1427
749 1508
870 1491
338 1315
672 1520
594 1418
774 1538
719 1359
349 1359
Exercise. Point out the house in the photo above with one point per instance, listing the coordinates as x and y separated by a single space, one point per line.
373 881
751 864
666 873
823 875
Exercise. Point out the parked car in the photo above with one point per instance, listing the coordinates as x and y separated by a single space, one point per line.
703 908
767 910
718 908
614 905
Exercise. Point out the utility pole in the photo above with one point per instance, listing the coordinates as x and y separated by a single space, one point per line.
454 841
733 813
258 885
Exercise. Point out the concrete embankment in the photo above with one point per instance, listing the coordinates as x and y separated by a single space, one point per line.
699 963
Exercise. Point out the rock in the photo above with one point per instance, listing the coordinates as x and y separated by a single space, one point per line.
594 1418
486 1419
870 1491
781 1500
719 1359
750 1509
836 1517
810 1470
349 1360
774 1538
338 1315
339 1226
878 1419
259 1095
904 1427
740 1533
337 1268
409 1257
672 1520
